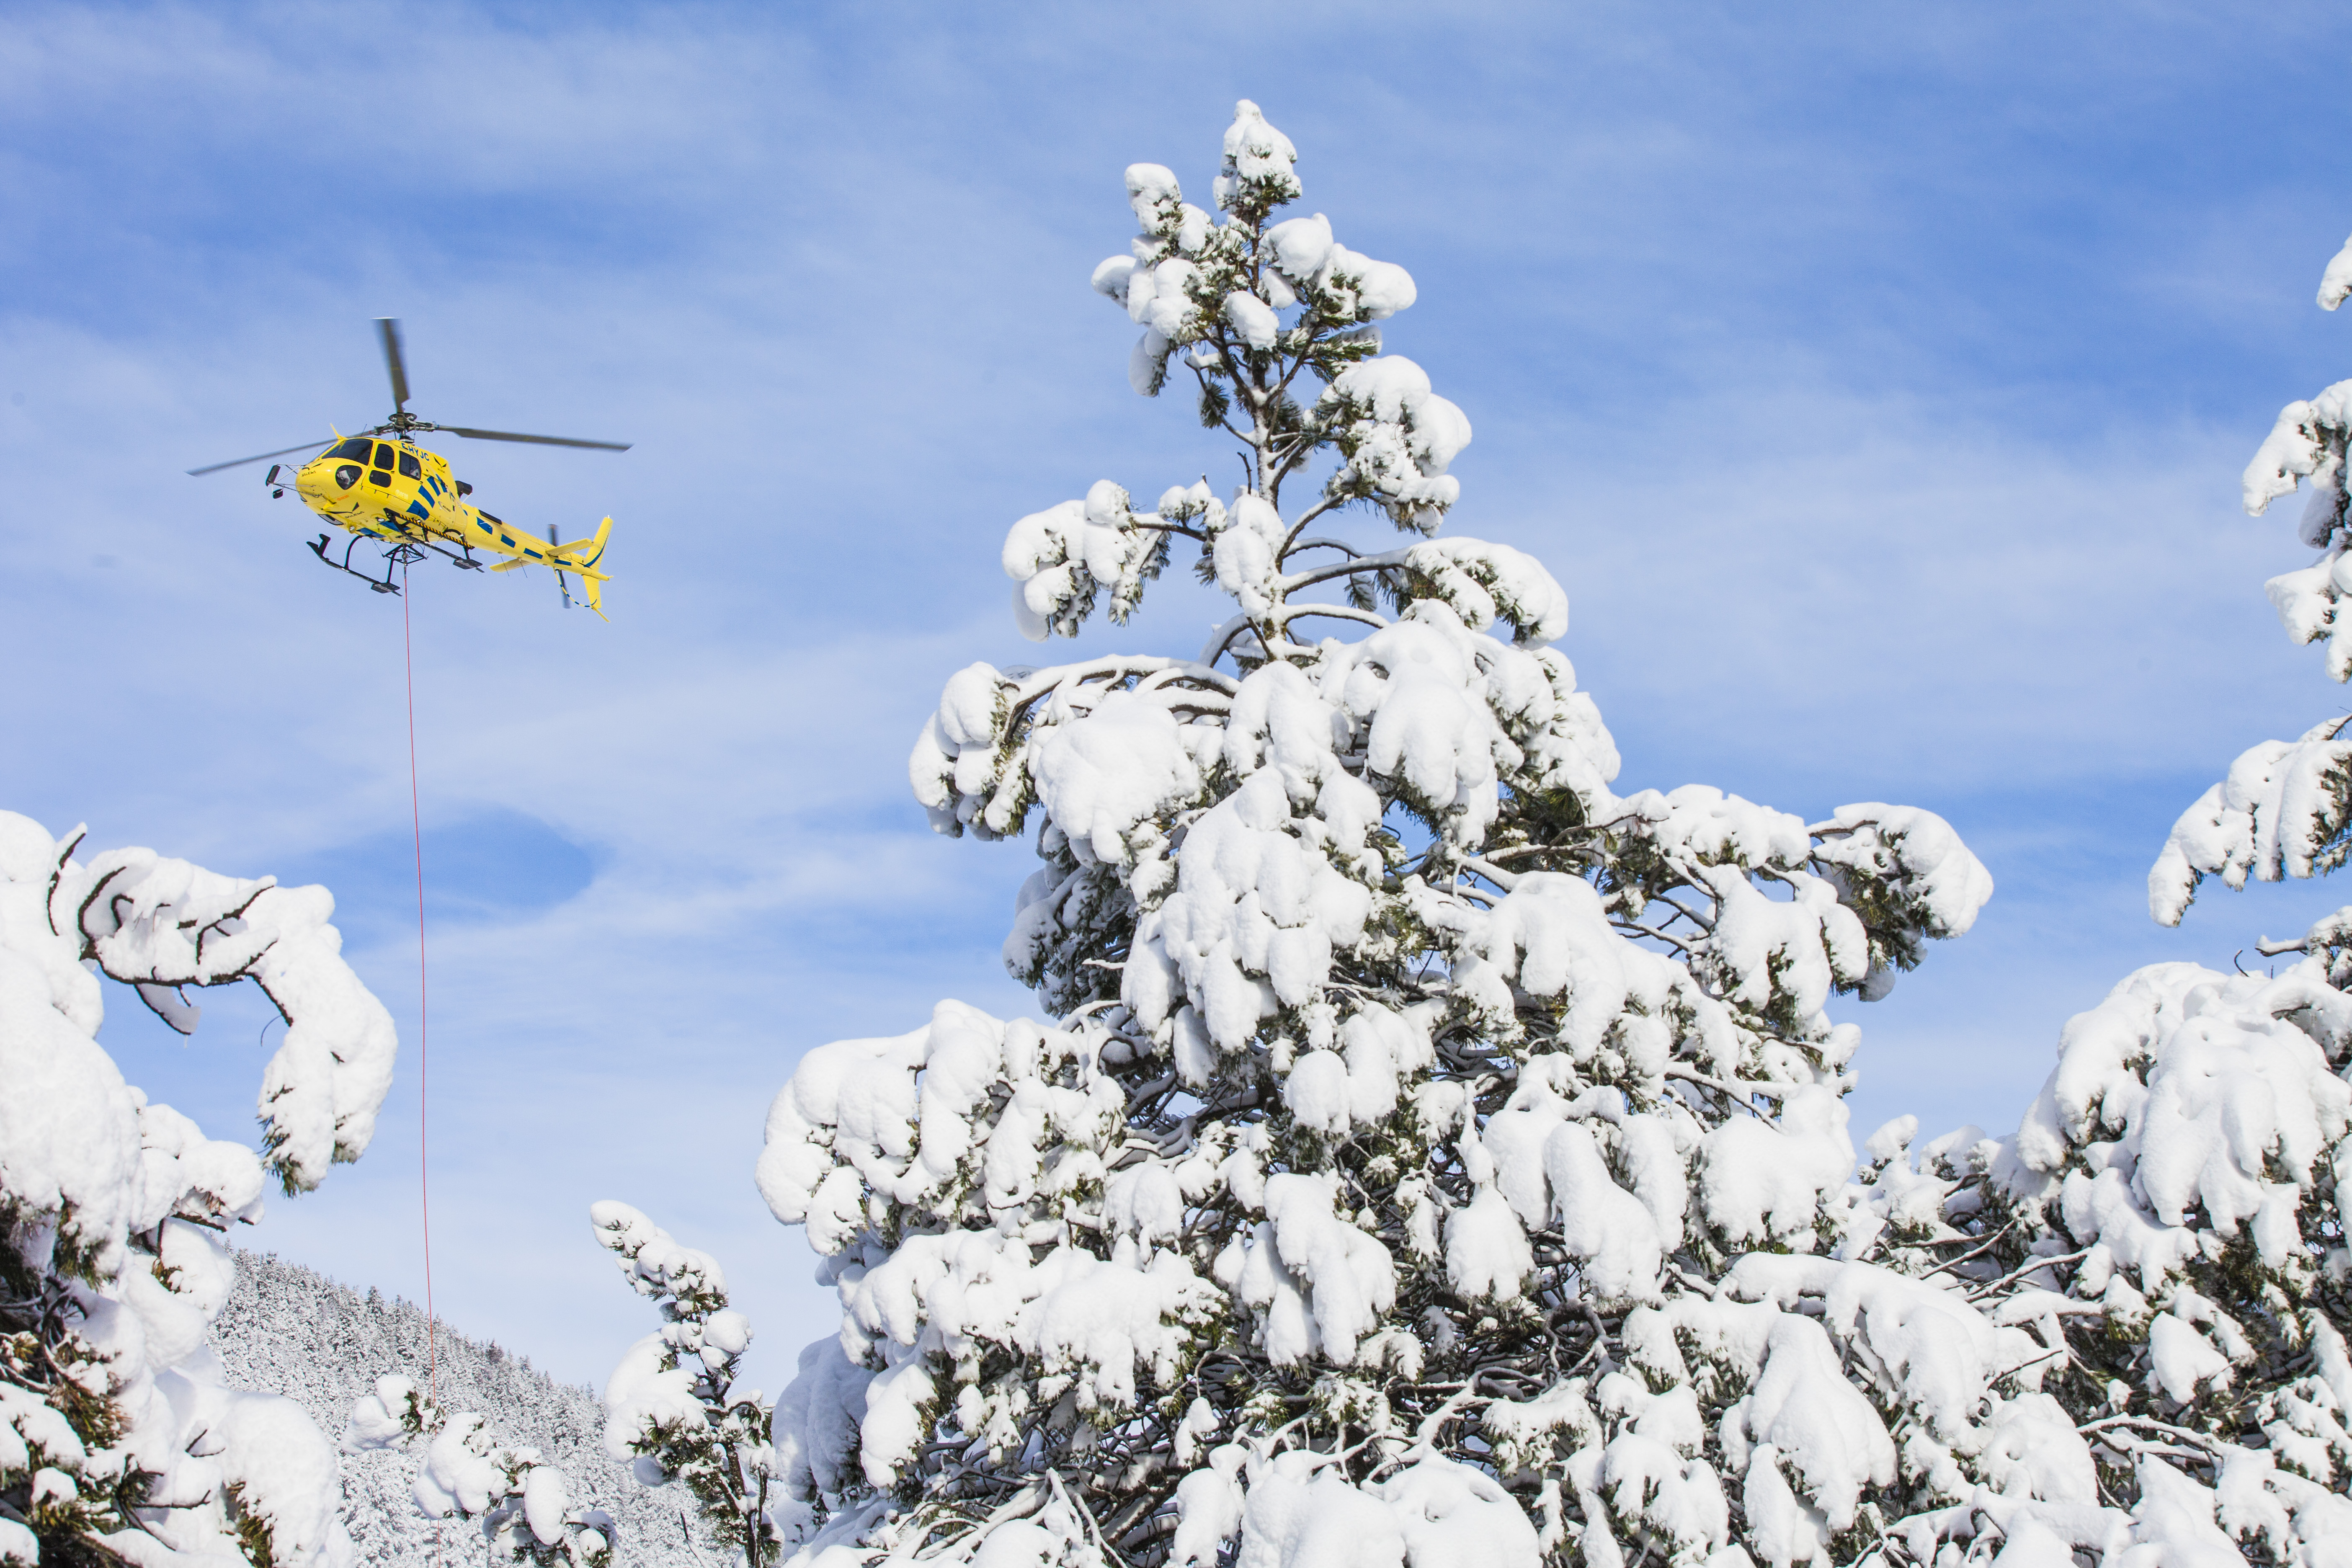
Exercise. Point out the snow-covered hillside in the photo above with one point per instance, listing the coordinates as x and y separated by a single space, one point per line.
288 1331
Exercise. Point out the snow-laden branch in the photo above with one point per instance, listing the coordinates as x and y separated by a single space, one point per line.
116 1437
2282 812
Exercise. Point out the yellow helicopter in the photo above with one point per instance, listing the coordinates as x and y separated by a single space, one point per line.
399 494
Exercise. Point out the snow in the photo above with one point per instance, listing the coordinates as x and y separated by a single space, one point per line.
2180 1358
1063 558
1413 681
1102 780
1318 1283
1917 855
1252 319
1147 372
1800 946
2202 1092
1300 246
1151 190
1937 1350
1606 1229
1244 553
2306 441
1399 436
1252 898
1209 1508
2337 281
2308 600
1483 582
1258 159
1486 1251
2278 813
1296 1518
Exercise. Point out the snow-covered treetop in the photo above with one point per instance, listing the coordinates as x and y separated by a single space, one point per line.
1273 323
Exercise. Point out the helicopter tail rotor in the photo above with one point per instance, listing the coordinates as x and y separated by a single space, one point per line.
555 548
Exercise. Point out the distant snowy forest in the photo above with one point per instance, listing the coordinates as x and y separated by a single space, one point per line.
287 1330
1426 1156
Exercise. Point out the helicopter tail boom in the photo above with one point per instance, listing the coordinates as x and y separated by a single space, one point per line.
578 559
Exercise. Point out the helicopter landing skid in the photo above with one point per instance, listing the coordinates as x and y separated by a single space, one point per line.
398 556
465 562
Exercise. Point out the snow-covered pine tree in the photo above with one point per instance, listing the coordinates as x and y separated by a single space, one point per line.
1434 1156
118 1442
673 1409
2170 1215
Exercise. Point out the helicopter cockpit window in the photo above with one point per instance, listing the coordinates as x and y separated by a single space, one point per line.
356 449
383 454
410 468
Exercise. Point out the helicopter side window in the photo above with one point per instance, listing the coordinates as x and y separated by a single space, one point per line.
356 449
410 469
383 454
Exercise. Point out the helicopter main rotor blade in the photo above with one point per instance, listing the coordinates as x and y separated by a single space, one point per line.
240 462
388 328
535 441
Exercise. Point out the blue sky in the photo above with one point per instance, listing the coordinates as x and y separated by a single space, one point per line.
1875 379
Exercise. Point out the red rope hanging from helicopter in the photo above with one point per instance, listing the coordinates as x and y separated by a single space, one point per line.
424 1163
423 1147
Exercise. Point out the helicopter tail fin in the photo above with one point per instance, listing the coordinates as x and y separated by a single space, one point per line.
583 553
